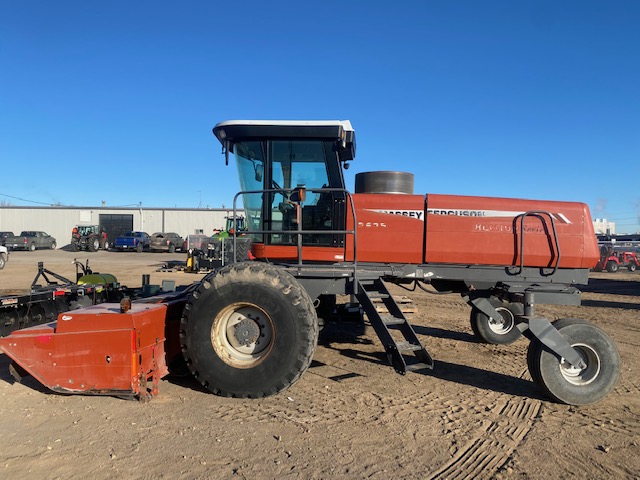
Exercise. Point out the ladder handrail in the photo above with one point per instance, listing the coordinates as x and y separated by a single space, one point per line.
540 214
300 232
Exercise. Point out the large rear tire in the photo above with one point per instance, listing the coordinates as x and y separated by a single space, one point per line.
93 244
249 331
500 331
570 385
612 267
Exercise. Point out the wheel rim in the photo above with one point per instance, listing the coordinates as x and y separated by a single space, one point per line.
503 325
242 335
581 376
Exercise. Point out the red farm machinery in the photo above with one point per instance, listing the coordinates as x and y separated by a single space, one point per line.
250 328
613 258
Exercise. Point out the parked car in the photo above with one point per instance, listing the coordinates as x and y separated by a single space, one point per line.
4 256
3 237
166 242
31 240
137 241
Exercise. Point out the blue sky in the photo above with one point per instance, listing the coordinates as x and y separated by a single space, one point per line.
115 101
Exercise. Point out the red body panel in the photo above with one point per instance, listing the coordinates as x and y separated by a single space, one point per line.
462 230
290 253
94 350
390 228
486 231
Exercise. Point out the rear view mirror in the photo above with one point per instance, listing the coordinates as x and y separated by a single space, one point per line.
259 169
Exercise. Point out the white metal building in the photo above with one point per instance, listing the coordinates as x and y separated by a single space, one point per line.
59 221
604 227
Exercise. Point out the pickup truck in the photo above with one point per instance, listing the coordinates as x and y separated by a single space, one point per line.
30 240
4 236
166 242
4 256
137 241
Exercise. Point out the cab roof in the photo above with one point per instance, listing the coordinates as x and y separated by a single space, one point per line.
237 130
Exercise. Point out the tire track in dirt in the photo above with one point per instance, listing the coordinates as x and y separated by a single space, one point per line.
494 443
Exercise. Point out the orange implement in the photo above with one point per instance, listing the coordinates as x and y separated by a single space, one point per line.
95 350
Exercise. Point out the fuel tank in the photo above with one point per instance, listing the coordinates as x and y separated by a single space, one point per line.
468 230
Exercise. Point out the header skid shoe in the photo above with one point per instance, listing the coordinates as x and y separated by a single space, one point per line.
95 350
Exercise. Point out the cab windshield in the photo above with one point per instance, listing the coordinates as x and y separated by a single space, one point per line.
292 163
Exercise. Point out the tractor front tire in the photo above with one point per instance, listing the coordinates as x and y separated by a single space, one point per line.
632 267
248 331
571 385
502 331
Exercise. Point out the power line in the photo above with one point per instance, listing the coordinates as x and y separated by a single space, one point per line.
24 199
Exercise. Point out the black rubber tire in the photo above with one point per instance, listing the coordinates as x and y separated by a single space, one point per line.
3 260
612 267
532 354
242 252
172 248
493 332
632 267
273 306
93 244
53 246
32 247
567 385
139 247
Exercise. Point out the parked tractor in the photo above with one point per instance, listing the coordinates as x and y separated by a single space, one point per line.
612 259
89 237
234 226
250 329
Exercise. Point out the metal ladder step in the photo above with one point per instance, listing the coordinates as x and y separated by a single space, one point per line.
408 347
406 354
377 295
416 367
390 320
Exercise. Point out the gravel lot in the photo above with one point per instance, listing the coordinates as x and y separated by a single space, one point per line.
476 415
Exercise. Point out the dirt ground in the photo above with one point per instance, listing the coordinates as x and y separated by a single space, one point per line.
476 415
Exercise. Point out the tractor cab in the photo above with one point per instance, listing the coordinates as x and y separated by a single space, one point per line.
291 180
